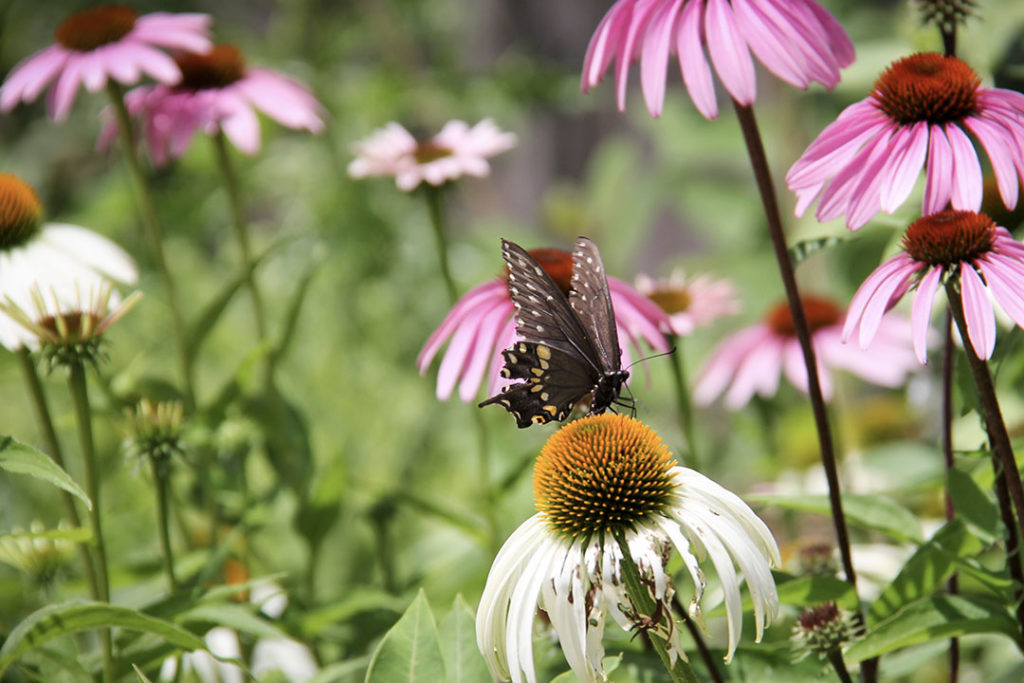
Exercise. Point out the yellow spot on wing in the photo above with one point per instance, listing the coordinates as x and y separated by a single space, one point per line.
543 352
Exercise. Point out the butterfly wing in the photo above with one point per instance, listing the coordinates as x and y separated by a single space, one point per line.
592 303
555 381
543 314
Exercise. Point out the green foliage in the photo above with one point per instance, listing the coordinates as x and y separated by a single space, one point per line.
411 650
20 458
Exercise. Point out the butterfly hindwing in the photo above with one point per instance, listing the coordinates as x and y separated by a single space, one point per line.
592 303
555 382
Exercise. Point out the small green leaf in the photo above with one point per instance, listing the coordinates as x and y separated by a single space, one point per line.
410 651
937 617
973 504
360 601
801 250
462 661
236 617
141 676
54 621
928 568
875 513
21 458
815 590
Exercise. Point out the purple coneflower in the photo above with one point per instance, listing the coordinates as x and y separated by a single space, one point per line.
689 302
218 91
751 361
918 116
100 43
456 151
481 324
962 248
797 40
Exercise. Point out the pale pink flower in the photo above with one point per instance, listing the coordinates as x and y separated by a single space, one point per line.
797 40
218 91
482 323
689 302
751 361
949 247
100 43
918 116
456 151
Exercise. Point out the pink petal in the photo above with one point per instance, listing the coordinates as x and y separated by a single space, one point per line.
839 40
921 313
967 185
841 194
654 59
757 372
693 65
938 185
282 99
905 171
490 293
796 369
642 11
901 265
153 62
981 320
604 44
999 148
729 52
880 302
1005 286
31 76
836 145
770 44
718 369
241 125
62 97
482 354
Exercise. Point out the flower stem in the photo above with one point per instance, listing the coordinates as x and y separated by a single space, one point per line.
763 177
835 658
952 586
993 416
493 542
230 180
436 209
154 234
683 398
771 209
161 478
645 605
45 422
1013 547
83 416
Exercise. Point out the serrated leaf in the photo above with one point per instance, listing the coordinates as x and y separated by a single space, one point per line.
462 660
933 618
21 458
973 504
410 651
875 513
927 569
54 621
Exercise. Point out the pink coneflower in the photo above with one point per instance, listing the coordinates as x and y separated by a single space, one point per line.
918 116
104 42
797 40
456 151
218 91
750 361
481 324
689 302
955 247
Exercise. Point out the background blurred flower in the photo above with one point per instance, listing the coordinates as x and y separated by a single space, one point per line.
456 151
918 115
797 40
961 246
110 41
597 477
481 324
218 91
751 360
59 261
689 302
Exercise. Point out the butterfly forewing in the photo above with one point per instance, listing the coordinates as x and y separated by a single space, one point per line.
592 303
543 313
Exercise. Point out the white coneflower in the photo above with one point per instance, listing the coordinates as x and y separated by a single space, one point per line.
597 478
60 261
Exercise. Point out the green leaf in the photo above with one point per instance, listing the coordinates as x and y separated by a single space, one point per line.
410 651
815 590
237 617
141 676
609 664
462 661
927 569
801 250
286 436
973 504
359 601
875 513
291 318
21 458
318 513
937 617
54 621
74 534
49 660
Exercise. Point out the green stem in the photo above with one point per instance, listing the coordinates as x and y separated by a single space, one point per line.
485 480
952 586
83 416
436 209
835 658
161 478
683 398
45 422
645 605
154 234
230 180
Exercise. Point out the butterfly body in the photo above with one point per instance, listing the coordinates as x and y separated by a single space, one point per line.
570 350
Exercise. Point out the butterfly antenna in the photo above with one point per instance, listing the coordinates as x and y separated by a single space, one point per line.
645 358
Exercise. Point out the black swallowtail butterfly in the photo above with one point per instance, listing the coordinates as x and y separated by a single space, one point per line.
570 346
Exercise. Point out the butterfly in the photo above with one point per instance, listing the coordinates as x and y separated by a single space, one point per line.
570 346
